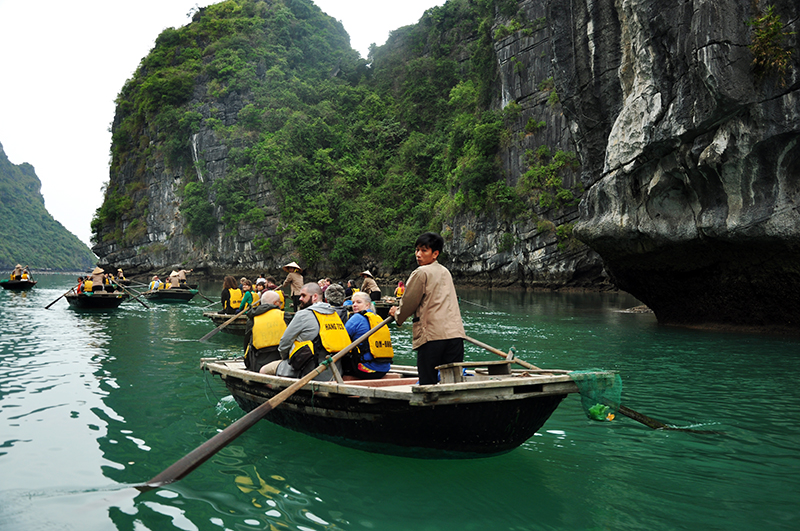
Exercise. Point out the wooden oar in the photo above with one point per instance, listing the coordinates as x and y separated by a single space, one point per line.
206 298
201 454
223 325
475 303
58 299
628 412
132 295
210 305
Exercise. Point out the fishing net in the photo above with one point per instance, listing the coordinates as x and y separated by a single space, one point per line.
600 392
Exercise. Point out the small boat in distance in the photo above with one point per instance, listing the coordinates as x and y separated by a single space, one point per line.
98 300
17 285
479 409
170 295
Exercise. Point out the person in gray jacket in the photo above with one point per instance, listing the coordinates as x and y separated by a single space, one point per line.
305 327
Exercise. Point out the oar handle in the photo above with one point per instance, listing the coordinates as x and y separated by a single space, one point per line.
202 453
503 354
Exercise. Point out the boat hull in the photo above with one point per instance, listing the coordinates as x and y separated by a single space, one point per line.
454 430
96 301
170 295
478 417
18 285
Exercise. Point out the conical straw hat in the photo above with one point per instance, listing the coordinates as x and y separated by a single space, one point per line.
98 271
366 273
290 265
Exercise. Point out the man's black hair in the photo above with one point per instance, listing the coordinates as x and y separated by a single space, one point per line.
431 240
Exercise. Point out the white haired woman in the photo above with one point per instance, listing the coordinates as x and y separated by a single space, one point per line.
372 359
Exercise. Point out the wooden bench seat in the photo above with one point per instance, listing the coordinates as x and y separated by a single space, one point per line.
454 372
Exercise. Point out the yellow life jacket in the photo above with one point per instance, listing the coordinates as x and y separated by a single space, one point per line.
332 337
88 285
380 343
399 292
356 290
282 305
268 329
236 298
24 276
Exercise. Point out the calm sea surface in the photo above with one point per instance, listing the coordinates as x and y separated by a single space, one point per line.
92 403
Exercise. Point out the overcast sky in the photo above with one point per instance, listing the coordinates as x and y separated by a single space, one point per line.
62 64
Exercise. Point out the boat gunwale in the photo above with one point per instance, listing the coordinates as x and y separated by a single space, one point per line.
497 388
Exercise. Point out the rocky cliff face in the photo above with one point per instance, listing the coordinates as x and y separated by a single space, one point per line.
494 250
526 252
690 157
164 244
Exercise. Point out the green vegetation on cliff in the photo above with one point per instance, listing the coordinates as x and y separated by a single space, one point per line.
28 233
362 155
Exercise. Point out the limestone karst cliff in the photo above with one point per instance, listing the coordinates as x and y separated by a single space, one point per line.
254 136
690 153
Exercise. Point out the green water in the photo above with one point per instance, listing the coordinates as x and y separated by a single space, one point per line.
91 403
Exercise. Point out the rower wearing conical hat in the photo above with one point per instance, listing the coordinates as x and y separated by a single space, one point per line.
369 286
17 273
98 277
295 280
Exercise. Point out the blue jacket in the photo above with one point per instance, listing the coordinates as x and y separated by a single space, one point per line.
358 325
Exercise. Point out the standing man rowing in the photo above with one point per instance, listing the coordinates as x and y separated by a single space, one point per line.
437 330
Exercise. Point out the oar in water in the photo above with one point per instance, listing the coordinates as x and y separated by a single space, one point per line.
210 305
206 298
628 412
201 454
132 295
58 299
223 325
475 303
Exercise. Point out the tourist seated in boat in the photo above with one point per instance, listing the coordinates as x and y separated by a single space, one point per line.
87 286
108 282
314 332
400 289
247 296
369 286
334 295
259 288
265 326
349 289
120 275
231 297
437 329
26 275
155 283
272 285
79 287
372 358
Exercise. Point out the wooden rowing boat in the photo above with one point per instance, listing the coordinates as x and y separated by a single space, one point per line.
98 300
17 285
485 410
170 295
